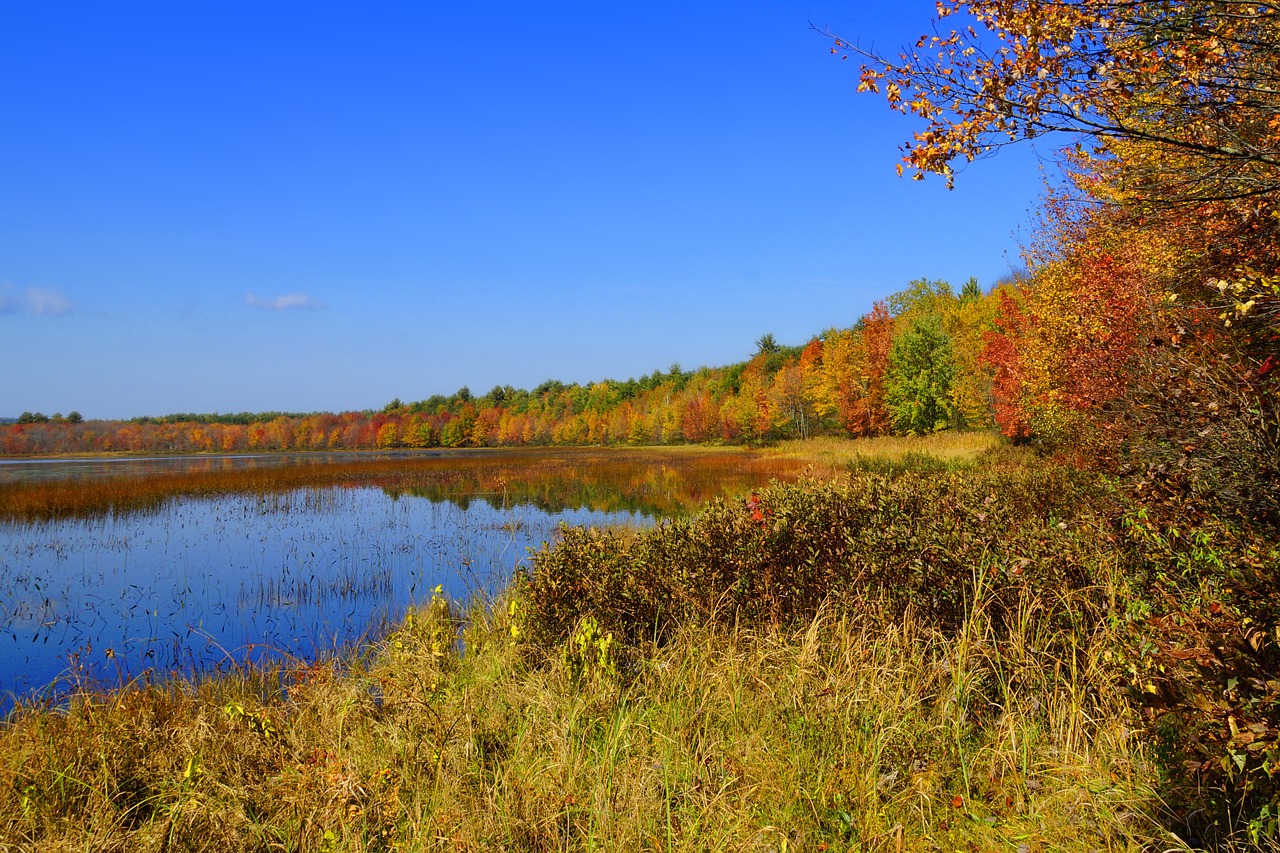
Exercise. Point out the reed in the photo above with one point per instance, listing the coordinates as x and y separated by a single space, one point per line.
659 480
855 730
948 447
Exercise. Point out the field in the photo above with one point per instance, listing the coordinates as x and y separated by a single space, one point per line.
942 647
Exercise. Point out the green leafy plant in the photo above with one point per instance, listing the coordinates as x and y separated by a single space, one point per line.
589 652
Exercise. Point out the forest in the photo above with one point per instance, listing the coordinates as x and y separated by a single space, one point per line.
919 362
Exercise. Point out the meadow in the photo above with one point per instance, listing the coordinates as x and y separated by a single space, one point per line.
942 644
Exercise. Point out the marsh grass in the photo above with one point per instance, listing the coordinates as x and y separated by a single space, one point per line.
656 480
887 662
858 730
892 452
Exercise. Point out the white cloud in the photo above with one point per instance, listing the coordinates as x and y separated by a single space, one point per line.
42 300
37 301
284 303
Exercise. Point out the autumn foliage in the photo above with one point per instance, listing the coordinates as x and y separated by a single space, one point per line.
837 383
1145 339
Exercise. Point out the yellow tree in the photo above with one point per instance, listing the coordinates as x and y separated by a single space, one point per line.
1196 78
971 393
388 434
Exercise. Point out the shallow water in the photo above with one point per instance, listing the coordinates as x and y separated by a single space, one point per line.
15 469
204 582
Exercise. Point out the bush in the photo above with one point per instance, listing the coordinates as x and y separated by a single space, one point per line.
1203 659
774 557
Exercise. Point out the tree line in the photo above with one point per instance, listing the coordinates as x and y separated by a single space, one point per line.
915 363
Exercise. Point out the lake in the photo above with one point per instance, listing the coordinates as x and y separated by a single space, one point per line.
118 568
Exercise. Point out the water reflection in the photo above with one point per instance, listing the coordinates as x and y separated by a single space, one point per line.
653 481
110 568
17 469
202 582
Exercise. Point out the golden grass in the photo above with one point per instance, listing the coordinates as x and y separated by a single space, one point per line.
852 732
836 452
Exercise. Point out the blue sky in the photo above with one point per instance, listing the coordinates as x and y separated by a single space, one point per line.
319 206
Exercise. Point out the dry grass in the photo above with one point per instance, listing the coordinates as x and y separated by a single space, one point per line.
852 732
865 727
835 452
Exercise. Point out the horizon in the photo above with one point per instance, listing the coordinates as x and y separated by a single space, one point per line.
241 209
64 414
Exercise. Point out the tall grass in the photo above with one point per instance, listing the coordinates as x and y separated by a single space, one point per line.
891 661
858 730
947 448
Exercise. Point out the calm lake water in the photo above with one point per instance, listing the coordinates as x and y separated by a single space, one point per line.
203 582
12 470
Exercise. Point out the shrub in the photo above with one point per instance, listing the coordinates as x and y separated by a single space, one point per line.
918 538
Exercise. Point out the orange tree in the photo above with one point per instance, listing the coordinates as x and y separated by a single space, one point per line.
1193 77
1150 329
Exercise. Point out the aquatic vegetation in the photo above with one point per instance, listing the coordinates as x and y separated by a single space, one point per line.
857 725
657 481
205 563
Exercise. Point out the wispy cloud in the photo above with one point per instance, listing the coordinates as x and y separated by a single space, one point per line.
36 301
287 302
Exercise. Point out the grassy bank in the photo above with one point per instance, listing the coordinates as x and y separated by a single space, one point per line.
944 448
857 730
946 659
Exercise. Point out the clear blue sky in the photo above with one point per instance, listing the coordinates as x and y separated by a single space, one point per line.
227 206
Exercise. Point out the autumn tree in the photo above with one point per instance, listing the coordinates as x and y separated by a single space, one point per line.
833 378
922 296
388 435
484 429
811 372
787 399
417 432
458 431
638 431
1191 78
971 389
871 412
1000 353
750 412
